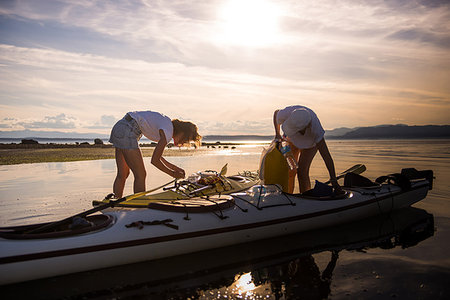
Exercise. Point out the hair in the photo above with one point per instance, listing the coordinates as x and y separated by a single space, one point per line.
189 130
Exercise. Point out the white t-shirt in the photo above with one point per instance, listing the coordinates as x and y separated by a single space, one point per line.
151 122
313 134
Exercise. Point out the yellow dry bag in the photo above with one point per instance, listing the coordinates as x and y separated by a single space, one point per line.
274 168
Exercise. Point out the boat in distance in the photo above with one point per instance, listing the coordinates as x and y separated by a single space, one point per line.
123 235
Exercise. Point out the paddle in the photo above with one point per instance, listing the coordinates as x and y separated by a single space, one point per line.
357 169
224 170
95 209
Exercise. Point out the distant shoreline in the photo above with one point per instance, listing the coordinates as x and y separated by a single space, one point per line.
18 153
93 145
359 133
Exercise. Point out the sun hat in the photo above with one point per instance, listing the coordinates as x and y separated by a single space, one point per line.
297 121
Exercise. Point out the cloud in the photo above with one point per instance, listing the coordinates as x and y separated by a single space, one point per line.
418 35
106 122
96 60
8 122
236 127
60 121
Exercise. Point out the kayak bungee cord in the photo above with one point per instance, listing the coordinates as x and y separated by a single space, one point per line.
267 206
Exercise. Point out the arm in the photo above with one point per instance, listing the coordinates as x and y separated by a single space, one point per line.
276 125
162 164
172 166
325 153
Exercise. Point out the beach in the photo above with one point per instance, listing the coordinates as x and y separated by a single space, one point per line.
370 267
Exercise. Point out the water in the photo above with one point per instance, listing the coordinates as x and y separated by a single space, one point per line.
363 260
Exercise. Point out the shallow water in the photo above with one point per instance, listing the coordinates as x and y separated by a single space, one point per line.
50 191
32 193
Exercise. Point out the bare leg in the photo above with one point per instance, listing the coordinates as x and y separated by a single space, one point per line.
135 162
122 173
292 173
304 163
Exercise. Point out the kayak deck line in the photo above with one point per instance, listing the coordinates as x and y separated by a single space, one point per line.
202 233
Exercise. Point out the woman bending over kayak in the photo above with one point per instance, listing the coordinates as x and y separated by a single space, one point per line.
156 127
305 135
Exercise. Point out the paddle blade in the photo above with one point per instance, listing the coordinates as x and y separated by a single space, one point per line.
224 170
357 169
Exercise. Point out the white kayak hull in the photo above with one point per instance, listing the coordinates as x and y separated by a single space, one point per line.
24 260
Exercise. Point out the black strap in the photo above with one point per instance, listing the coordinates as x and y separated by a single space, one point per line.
398 179
140 224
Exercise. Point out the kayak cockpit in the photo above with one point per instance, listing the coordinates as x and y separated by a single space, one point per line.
76 227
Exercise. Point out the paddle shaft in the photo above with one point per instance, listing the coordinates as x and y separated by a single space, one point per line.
357 169
95 209
201 189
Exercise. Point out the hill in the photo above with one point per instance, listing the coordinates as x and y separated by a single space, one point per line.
398 132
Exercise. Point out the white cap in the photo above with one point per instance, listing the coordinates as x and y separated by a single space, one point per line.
297 121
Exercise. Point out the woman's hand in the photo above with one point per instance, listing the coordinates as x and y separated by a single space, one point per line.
178 173
337 188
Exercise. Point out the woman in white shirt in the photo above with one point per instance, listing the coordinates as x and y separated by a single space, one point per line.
156 127
303 131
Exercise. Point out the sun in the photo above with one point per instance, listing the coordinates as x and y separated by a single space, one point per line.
250 23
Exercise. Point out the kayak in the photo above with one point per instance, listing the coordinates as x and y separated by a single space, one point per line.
216 268
204 183
124 235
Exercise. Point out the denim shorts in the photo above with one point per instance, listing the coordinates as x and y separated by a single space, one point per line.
126 134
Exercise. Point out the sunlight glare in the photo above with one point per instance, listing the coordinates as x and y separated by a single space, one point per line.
250 23
245 283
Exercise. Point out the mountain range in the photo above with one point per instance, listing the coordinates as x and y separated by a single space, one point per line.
399 131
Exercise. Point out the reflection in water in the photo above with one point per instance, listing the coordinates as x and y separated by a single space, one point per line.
301 278
279 268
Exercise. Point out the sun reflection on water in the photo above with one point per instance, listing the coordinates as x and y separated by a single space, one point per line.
244 283
243 287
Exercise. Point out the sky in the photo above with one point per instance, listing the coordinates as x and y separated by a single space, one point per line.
226 65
